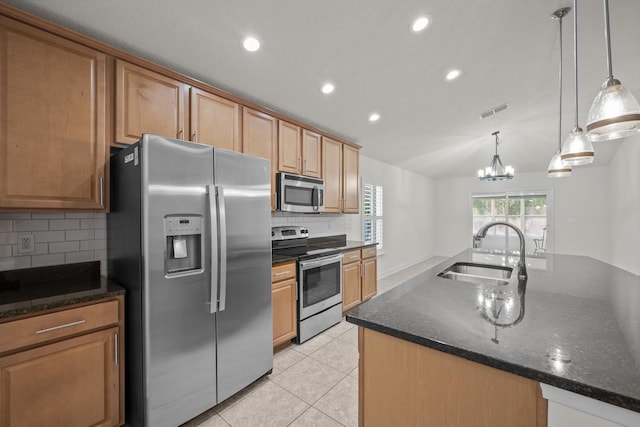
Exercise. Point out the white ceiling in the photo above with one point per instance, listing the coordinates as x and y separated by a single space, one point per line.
507 49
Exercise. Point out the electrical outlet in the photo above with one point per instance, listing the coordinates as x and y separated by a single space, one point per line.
25 243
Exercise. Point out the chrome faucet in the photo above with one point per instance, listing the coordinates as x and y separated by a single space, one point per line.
482 233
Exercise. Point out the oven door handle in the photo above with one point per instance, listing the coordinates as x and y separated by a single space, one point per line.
320 261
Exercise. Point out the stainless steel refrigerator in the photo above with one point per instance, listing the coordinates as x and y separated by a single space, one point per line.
189 238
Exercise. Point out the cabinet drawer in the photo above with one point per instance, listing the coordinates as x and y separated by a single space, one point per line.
283 272
351 256
369 252
46 327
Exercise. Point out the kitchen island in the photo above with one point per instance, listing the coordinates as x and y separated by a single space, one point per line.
483 349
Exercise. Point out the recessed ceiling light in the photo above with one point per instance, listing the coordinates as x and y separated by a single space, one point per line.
251 44
327 88
420 24
453 74
374 117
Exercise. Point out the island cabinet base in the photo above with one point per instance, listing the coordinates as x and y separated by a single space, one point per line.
405 384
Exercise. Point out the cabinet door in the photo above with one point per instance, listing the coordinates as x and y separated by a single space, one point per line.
311 154
369 278
332 174
259 138
73 383
351 192
289 148
52 121
350 286
214 120
283 296
147 102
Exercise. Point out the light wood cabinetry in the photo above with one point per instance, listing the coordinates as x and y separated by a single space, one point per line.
340 163
64 367
147 102
289 148
214 120
359 277
405 384
283 296
260 139
311 154
53 121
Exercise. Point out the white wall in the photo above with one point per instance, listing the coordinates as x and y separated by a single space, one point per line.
580 207
625 206
408 212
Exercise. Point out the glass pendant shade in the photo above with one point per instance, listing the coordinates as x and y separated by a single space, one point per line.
577 149
557 168
615 113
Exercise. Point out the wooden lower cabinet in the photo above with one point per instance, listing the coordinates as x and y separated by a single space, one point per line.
405 384
283 298
74 382
359 277
64 367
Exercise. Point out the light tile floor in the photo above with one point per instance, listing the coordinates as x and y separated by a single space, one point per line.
312 384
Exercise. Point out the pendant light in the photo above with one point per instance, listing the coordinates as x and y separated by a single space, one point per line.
615 113
576 149
496 171
557 169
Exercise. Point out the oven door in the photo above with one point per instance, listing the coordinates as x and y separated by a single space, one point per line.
320 285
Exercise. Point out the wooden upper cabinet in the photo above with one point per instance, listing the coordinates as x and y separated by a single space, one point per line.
289 148
351 191
53 117
214 120
311 154
147 102
332 174
260 139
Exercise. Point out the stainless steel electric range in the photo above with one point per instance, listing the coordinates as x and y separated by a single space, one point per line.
319 304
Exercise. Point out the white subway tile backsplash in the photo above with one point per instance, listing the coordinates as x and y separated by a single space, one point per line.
79 215
6 251
48 236
15 263
64 224
79 235
30 225
39 249
318 225
44 260
101 234
83 256
6 226
8 238
97 223
47 215
15 215
92 245
60 247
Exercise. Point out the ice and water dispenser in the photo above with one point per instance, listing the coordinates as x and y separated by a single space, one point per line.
183 251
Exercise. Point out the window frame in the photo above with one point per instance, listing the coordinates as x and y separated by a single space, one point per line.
373 218
548 193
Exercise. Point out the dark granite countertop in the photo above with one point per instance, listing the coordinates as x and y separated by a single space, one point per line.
579 331
338 242
31 290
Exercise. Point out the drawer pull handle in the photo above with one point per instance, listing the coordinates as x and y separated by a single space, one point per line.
55 328
282 273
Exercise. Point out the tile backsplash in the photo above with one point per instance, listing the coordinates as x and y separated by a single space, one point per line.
318 225
59 238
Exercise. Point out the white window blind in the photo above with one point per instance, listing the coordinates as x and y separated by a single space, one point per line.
372 214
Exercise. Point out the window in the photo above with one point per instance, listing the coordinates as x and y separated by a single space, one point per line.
372 214
529 212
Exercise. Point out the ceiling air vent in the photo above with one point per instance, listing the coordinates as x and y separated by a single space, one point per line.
494 110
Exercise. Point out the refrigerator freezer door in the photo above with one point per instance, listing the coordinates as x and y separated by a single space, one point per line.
245 343
179 331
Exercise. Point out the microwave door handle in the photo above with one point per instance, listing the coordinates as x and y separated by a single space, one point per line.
213 303
222 233
315 199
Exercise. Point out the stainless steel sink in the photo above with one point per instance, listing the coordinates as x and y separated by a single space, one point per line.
485 274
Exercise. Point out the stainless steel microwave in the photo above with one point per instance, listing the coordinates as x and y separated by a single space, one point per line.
297 193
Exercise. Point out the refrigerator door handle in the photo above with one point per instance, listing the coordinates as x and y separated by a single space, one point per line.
222 233
213 303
